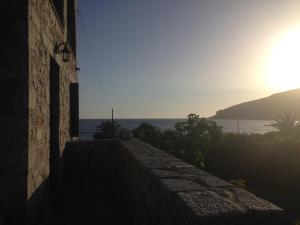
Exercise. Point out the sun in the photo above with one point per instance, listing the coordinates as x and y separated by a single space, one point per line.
283 66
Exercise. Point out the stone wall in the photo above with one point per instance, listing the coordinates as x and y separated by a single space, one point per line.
31 30
158 188
45 32
91 192
165 190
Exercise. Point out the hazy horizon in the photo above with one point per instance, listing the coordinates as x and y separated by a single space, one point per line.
169 58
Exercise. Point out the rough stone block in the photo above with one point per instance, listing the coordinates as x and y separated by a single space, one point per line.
211 181
247 200
165 173
185 194
205 207
176 185
192 171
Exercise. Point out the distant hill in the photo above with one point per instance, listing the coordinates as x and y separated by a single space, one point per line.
268 108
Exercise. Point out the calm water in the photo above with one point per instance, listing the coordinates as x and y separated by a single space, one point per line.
88 126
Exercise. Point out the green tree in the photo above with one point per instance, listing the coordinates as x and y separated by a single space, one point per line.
106 130
148 133
191 140
284 122
196 137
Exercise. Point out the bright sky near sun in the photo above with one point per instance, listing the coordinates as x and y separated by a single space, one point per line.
283 66
169 58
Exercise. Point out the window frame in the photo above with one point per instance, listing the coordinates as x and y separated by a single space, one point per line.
59 12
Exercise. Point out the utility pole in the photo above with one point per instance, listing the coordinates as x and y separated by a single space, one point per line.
112 115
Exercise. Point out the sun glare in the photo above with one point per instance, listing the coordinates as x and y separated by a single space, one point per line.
283 67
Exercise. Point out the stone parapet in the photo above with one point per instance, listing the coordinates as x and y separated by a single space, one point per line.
165 190
154 187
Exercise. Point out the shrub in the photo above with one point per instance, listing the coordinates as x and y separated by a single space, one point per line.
106 130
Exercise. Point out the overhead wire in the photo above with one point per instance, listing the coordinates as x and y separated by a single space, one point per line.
90 52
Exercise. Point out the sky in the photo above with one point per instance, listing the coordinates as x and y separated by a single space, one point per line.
169 58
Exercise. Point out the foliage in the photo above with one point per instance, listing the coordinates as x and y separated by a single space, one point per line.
106 130
241 183
196 137
267 163
284 122
148 133
190 140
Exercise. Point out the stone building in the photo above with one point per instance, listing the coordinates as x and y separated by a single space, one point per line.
39 102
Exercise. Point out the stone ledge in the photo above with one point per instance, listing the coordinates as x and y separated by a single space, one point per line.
169 187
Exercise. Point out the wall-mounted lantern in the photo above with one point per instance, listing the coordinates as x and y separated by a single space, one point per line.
64 49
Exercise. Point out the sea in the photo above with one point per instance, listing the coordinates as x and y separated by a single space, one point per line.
87 127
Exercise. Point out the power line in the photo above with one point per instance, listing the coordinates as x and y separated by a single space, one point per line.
90 51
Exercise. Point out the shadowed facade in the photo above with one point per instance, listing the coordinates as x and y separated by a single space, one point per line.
36 96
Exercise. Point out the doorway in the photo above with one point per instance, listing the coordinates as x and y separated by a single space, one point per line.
54 156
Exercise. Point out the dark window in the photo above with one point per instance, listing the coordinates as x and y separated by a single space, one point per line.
59 7
71 14
74 110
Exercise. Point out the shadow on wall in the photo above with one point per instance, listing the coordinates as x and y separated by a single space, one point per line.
13 112
16 207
